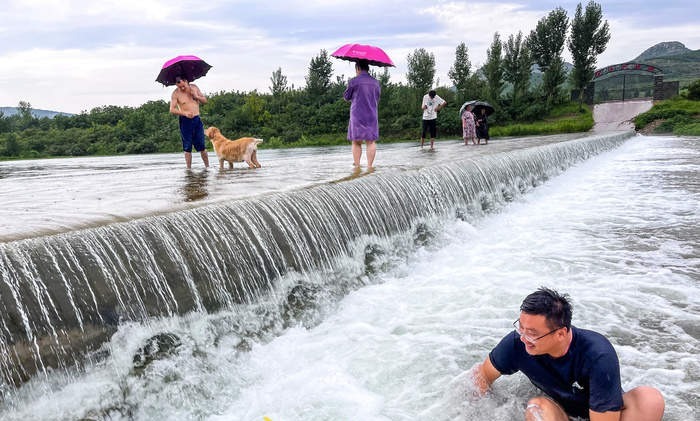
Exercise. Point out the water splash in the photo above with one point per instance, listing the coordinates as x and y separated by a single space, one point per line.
63 296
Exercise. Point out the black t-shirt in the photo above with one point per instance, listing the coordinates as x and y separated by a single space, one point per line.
588 376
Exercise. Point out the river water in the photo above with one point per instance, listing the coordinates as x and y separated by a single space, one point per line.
48 196
619 233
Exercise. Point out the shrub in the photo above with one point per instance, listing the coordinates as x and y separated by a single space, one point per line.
694 91
692 129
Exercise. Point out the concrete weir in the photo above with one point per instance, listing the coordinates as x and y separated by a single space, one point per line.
62 296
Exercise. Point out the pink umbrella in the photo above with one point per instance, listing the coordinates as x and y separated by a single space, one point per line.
188 67
356 52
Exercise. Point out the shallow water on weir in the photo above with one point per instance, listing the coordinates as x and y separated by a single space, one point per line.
55 195
619 233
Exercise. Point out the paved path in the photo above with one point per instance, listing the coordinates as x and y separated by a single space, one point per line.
614 116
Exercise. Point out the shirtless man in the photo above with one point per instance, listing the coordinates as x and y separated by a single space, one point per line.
185 103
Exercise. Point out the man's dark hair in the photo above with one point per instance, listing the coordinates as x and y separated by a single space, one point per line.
179 78
363 65
553 306
432 94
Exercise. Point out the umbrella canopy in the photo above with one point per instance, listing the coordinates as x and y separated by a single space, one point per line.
477 106
461 109
187 67
356 52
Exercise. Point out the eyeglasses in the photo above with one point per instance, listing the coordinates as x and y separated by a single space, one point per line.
516 325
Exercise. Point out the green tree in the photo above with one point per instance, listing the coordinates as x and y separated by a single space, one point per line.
25 118
493 69
24 109
517 65
460 71
319 78
279 83
589 38
421 70
5 123
546 43
108 114
254 109
12 146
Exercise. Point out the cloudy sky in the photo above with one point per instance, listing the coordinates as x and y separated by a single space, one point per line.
74 55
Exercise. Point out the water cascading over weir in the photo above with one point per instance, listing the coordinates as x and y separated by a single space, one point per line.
63 296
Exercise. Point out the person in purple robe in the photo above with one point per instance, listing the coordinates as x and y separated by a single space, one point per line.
363 93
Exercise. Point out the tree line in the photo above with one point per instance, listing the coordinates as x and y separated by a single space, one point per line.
317 114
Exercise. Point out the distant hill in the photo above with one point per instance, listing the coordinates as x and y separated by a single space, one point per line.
8 111
663 49
677 62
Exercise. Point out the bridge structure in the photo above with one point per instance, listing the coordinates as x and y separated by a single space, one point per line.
628 81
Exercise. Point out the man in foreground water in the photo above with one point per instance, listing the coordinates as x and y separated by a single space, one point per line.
577 369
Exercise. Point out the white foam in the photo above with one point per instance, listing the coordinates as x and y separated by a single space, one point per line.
618 233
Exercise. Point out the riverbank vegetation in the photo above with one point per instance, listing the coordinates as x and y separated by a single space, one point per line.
316 114
679 116
113 130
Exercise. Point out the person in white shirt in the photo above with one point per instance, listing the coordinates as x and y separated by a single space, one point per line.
432 103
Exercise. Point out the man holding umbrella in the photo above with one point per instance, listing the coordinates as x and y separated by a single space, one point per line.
185 102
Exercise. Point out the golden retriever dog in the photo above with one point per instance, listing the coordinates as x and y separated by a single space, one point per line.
239 150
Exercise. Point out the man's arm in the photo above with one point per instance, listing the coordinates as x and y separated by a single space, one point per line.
484 376
174 109
198 95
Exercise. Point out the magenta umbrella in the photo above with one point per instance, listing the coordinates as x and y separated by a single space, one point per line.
356 52
187 67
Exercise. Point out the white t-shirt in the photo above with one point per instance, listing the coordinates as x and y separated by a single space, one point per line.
432 103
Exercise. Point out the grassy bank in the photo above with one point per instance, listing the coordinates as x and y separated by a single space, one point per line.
566 118
678 116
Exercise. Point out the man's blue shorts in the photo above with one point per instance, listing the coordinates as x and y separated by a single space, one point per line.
192 133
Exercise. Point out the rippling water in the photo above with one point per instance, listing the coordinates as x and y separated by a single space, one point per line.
619 233
56 195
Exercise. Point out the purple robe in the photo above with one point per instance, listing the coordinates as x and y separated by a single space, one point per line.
363 93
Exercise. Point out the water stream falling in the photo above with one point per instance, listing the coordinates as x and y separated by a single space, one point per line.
364 299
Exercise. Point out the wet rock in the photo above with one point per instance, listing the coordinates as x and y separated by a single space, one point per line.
462 214
487 204
374 258
156 347
423 235
300 300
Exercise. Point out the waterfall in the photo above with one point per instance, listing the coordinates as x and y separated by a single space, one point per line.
62 296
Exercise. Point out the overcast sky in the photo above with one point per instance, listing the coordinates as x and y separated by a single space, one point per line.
74 55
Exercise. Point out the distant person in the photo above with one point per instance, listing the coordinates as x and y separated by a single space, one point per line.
468 126
432 103
577 369
482 127
184 102
363 93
